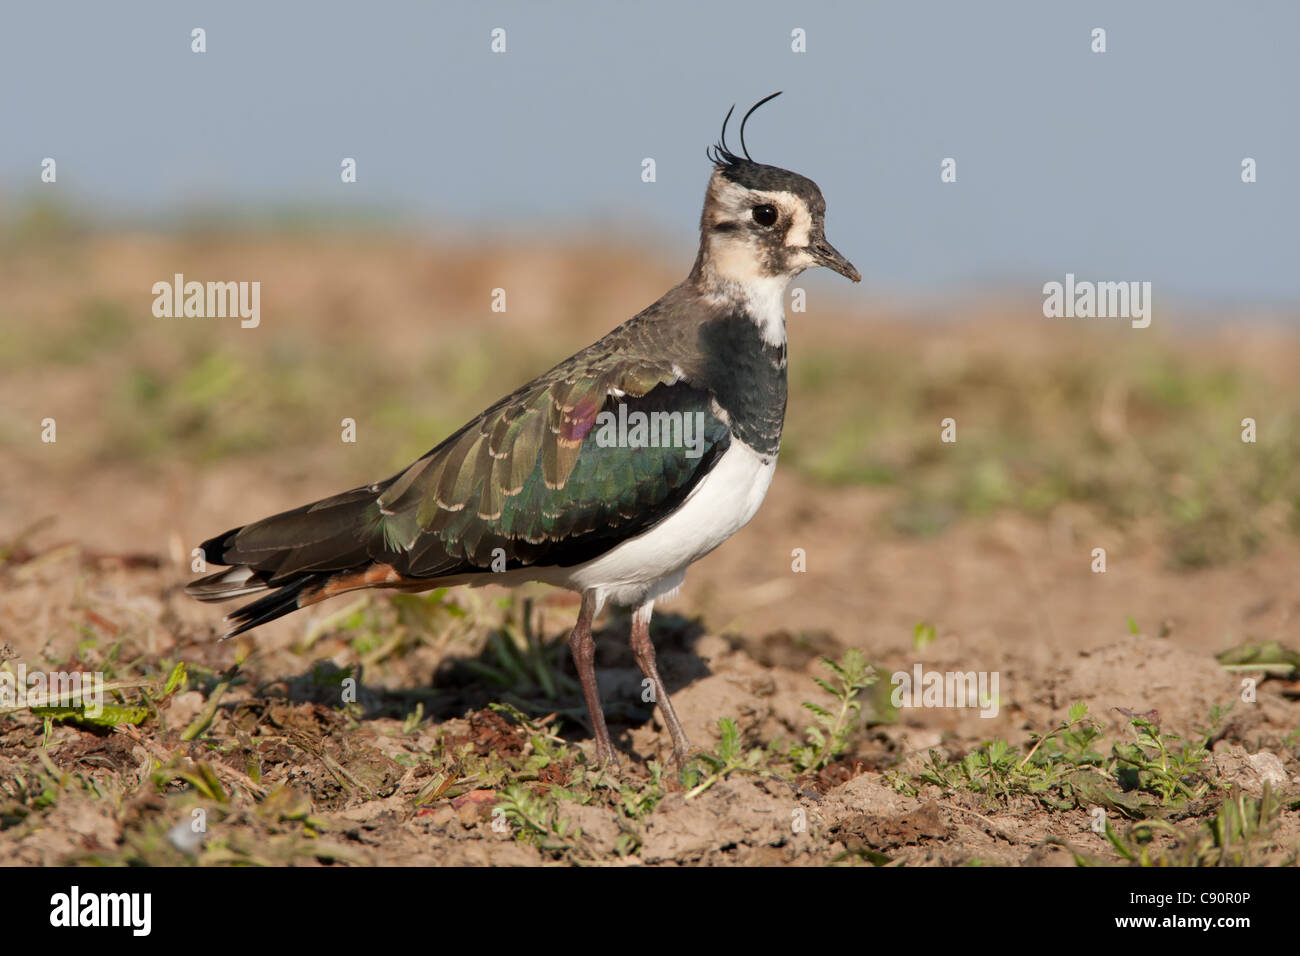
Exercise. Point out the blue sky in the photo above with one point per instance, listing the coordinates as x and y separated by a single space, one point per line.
1118 166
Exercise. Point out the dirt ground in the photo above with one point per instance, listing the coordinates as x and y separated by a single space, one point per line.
357 777
418 768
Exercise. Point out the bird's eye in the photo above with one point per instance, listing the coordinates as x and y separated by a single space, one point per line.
765 215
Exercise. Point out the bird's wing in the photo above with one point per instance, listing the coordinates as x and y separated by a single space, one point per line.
537 477
533 476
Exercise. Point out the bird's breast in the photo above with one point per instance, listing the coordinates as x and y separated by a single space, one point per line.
721 504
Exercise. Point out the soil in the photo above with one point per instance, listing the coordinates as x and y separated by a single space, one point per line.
1010 596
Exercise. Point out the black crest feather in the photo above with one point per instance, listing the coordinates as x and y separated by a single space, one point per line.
720 154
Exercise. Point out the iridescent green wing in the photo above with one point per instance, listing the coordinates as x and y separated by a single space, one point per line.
548 479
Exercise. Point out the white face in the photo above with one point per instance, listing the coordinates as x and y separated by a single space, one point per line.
754 235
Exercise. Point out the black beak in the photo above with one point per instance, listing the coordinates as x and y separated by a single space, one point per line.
830 257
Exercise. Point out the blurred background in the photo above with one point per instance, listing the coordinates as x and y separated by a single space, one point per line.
1123 164
522 170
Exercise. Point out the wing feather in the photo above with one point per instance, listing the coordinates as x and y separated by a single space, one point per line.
530 477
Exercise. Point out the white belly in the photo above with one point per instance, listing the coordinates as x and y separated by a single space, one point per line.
654 562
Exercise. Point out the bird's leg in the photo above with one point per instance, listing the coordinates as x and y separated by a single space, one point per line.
583 646
644 652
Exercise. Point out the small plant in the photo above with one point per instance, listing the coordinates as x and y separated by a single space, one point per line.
922 635
1239 834
1059 769
1163 764
830 738
727 759
1071 741
636 804
411 722
1268 659
538 818
1063 769
75 705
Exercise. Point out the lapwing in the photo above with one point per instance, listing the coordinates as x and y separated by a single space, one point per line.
566 480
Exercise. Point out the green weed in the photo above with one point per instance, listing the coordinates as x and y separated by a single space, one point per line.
830 736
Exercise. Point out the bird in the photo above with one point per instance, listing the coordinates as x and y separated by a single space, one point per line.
563 481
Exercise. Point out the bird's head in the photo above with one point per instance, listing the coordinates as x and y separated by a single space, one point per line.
762 222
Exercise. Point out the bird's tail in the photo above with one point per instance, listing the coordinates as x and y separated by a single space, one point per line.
238 581
302 556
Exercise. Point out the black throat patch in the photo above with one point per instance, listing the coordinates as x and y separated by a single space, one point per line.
747 378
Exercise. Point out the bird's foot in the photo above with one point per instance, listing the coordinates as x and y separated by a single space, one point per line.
681 759
606 759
